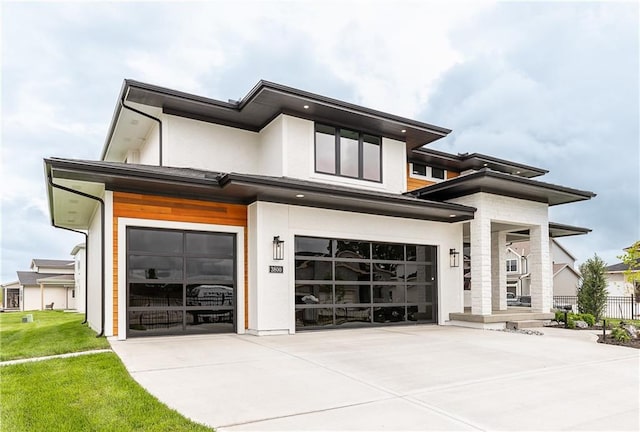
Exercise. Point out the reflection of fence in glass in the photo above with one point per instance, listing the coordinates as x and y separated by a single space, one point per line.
619 307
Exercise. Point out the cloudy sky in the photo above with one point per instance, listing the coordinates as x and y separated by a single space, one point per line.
554 85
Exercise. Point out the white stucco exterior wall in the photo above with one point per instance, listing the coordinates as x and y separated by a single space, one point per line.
272 296
94 269
271 159
149 151
208 146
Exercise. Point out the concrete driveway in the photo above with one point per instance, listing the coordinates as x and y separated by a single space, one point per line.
394 378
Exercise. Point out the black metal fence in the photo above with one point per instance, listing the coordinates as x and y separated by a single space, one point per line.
619 307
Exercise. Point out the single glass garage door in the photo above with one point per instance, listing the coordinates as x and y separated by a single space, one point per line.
340 282
180 282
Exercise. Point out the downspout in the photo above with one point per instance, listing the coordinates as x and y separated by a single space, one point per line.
86 261
144 114
102 282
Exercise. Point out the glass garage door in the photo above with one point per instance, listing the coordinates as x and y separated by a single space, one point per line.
180 282
348 282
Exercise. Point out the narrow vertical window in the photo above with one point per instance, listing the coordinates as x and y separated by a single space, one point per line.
349 153
371 158
325 149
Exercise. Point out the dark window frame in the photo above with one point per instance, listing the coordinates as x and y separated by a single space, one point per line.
337 146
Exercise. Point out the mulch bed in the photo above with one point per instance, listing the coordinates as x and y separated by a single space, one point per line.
633 343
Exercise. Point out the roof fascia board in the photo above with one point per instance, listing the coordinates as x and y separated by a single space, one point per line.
403 199
345 106
442 186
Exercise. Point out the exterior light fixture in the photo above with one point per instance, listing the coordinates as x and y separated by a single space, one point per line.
403 131
454 258
306 107
278 248
299 195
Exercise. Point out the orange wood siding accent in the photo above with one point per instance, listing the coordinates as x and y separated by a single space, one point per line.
141 206
414 183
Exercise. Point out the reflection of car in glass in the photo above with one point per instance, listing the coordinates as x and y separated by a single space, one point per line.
211 295
388 314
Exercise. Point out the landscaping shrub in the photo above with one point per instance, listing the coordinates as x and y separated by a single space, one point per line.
620 334
559 316
571 322
588 318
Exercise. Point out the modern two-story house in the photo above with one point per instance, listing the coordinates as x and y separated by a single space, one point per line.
288 210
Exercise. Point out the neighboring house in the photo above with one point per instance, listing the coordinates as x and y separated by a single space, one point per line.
288 210
565 276
48 281
617 284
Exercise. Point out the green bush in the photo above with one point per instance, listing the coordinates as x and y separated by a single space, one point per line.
571 322
588 318
620 334
559 316
592 290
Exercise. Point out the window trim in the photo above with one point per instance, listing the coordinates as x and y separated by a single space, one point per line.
429 175
508 260
337 147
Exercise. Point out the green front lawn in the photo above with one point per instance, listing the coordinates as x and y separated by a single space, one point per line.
86 393
51 332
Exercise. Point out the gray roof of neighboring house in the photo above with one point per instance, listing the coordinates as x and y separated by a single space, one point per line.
620 267
31 277
52 263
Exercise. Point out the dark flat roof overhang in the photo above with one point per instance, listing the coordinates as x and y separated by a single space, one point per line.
473 161
558 230
245 189
502 184
266 101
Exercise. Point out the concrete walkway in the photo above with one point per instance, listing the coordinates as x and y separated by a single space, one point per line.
394 378
67 355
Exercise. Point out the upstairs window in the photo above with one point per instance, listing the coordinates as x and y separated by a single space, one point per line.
512 265
419 170
348 153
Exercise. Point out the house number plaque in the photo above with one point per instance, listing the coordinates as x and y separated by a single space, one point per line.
276 269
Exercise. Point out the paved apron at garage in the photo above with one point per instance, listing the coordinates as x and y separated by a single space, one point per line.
417 377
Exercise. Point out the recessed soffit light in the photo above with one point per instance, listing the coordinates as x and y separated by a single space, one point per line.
299 195
403 131
305 106
452 215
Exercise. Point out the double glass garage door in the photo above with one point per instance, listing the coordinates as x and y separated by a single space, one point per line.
341 282
180 282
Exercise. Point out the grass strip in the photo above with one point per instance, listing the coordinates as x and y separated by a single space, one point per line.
50 333
92 392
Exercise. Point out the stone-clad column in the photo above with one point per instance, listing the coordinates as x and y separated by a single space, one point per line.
498 270
481 266
540 269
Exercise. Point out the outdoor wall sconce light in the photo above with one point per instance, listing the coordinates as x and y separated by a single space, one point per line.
454 258
278 248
